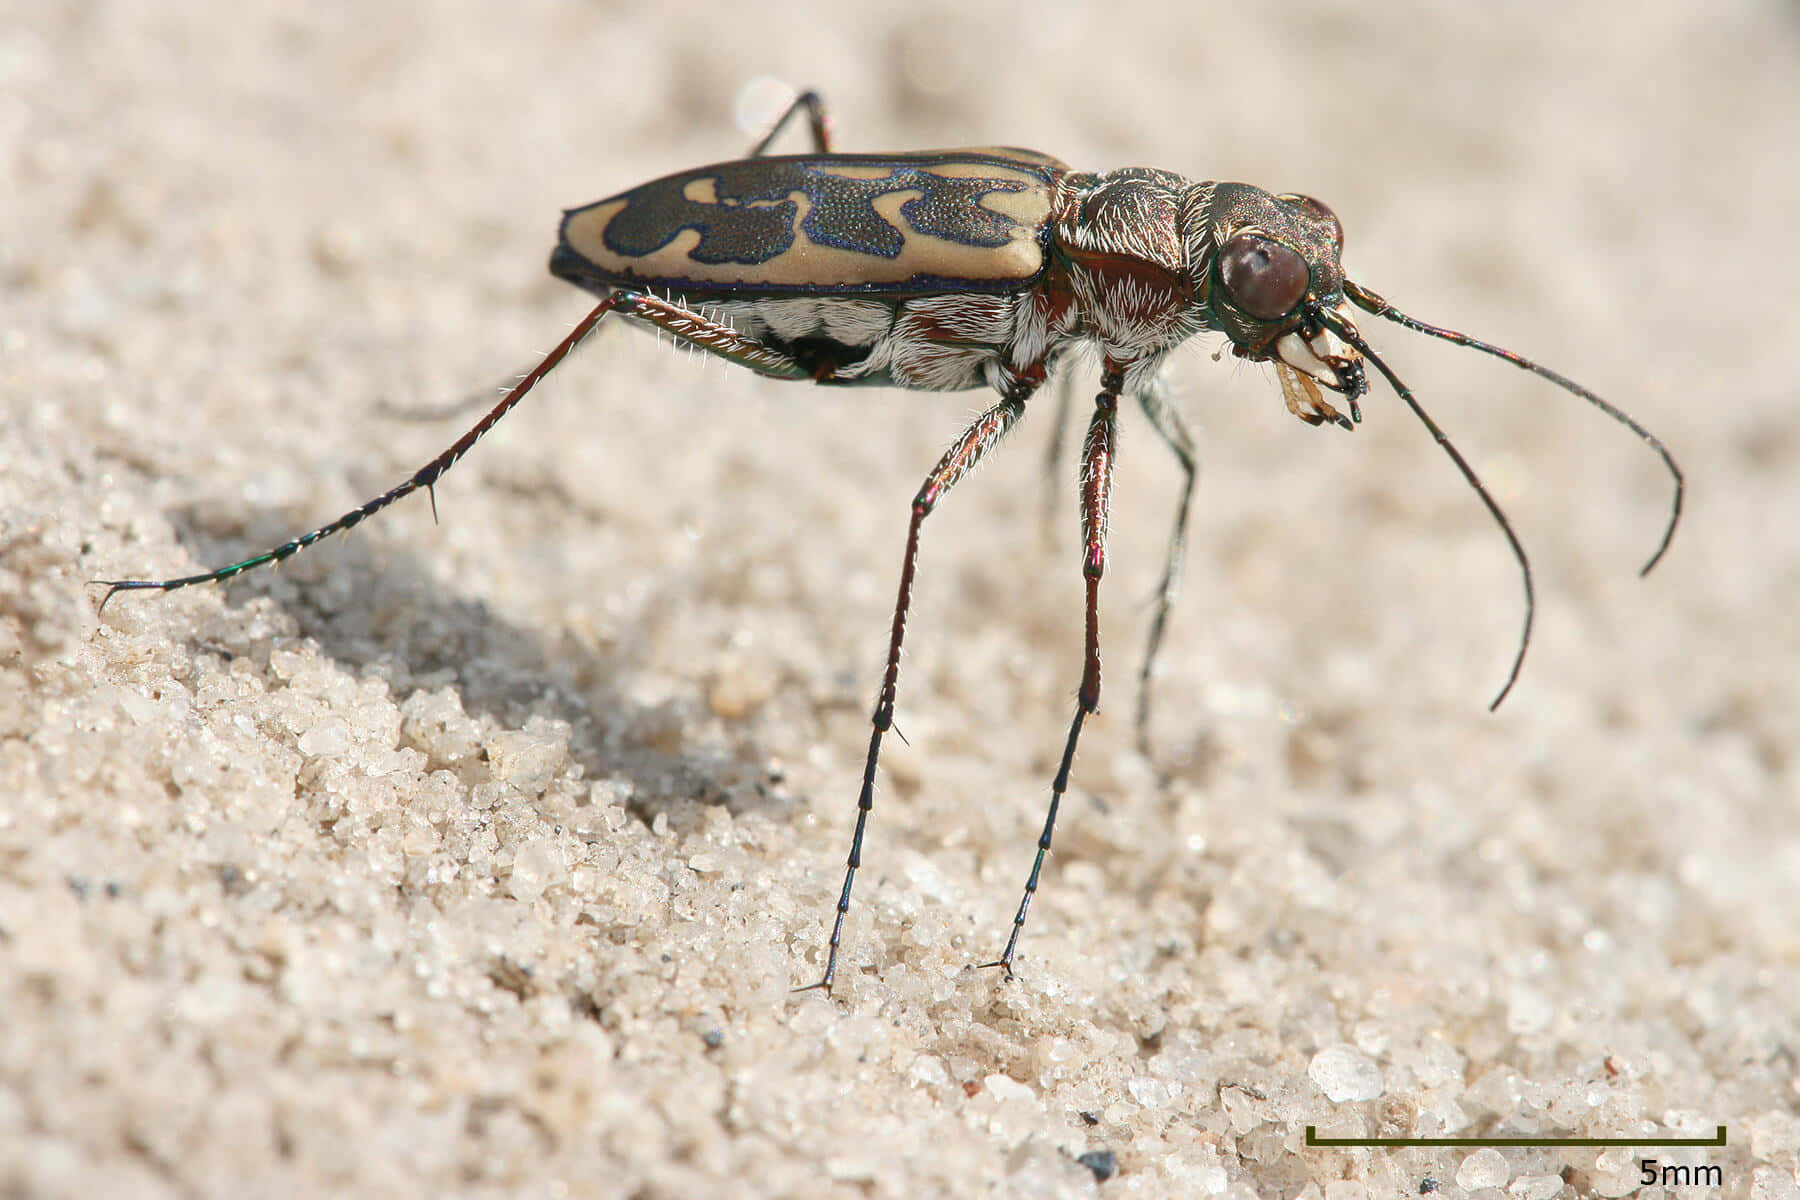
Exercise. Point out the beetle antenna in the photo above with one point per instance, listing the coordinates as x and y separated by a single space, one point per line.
1370 302
1343 330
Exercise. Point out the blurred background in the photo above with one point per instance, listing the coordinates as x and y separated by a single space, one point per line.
245 246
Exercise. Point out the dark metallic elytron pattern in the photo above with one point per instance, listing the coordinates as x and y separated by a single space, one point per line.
756 211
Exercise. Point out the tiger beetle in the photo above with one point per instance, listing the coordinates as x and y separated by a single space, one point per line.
945 270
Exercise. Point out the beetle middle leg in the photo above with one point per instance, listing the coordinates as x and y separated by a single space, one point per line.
963 456
1096 506
1172 427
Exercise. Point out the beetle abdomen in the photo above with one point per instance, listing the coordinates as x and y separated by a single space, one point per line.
937 343
893 224
832 338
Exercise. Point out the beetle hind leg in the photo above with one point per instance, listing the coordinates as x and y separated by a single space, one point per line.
426 477
682 323
692 328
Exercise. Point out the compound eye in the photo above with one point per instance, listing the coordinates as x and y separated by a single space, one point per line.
1265 278
1318 210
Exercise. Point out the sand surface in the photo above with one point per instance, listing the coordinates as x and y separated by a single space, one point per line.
479 857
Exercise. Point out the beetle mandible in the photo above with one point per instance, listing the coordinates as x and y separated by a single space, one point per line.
952 269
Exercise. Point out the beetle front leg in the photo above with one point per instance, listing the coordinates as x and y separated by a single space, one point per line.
1173 429
962 457
814 105
1096 504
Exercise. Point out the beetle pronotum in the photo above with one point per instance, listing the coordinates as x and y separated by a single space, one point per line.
955 269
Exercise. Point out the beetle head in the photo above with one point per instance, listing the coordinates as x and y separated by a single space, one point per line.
1272 274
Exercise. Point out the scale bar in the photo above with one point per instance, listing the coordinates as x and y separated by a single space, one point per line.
1313 1139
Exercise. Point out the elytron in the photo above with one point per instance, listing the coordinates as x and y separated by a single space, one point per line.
953 269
